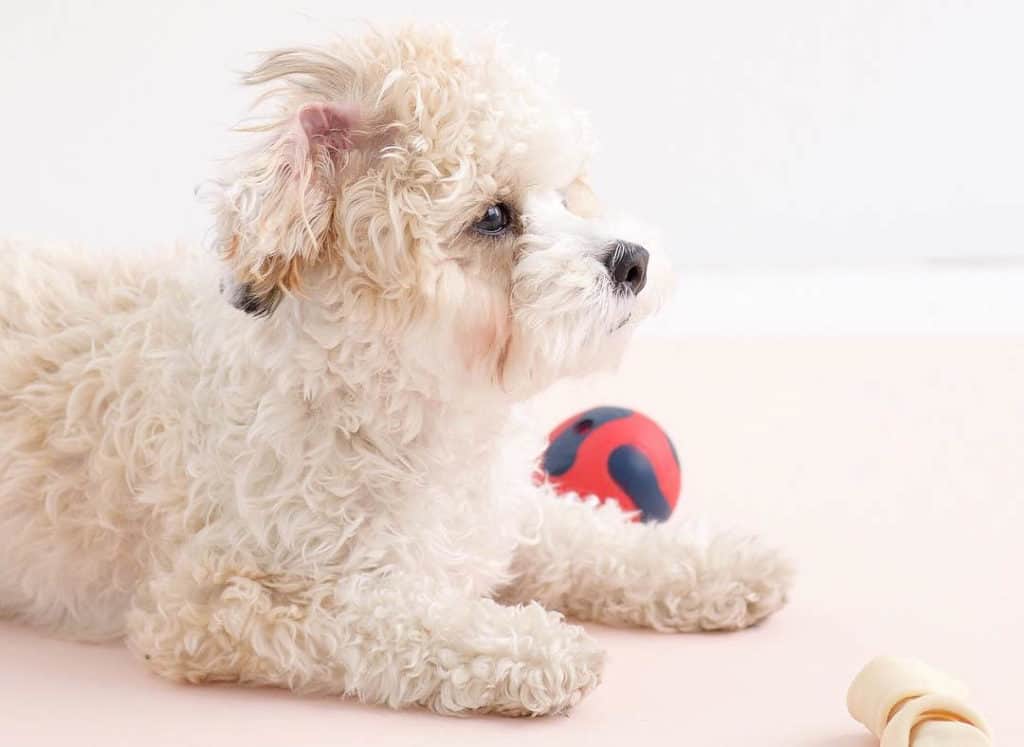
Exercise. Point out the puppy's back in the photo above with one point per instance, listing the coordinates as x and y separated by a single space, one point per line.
79 406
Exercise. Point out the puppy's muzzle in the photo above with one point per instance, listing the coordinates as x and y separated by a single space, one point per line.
627 266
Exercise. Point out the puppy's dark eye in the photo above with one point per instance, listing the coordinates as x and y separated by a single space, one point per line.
496 220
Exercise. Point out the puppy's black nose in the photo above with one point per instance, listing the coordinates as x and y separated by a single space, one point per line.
627 266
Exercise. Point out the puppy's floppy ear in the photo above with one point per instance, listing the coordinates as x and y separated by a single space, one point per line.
276 213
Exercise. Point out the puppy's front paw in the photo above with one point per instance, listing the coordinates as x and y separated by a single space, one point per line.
738 583
544 667
693 582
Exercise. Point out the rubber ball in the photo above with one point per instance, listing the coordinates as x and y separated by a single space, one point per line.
616 454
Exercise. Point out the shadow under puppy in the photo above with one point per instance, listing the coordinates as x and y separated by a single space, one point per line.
327 492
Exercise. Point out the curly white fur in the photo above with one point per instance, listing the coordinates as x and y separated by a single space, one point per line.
329 493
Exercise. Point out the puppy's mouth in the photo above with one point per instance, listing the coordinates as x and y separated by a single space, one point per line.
622 323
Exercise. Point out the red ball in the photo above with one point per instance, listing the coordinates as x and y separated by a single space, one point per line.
619 454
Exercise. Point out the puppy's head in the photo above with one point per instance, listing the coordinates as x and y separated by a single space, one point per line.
435 200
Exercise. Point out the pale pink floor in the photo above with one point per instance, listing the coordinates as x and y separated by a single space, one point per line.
892 470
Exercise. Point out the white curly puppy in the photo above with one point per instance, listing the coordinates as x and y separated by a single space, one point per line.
313 484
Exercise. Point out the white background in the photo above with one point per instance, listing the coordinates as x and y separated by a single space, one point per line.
808 133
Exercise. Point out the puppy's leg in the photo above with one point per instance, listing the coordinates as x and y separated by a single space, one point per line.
381 639
592 563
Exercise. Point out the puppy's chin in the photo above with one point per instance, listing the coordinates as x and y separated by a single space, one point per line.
564 346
